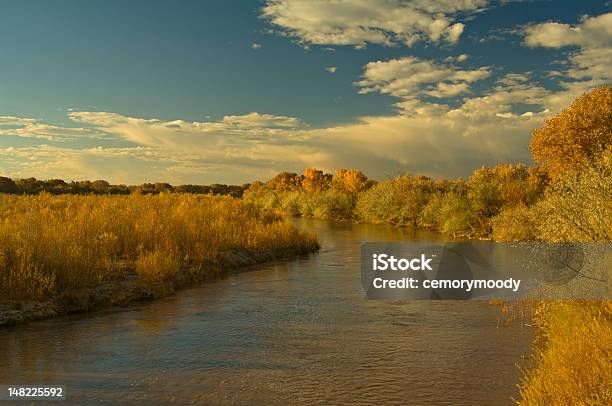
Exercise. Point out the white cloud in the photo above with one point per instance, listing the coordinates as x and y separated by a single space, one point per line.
32 128
358 22
331 69
458 58
593 37
256 120
189 135
249 144
256 46
119 165
409 77
15 121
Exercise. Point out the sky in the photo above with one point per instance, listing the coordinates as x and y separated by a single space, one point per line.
233 91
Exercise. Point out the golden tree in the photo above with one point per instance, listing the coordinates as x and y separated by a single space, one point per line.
350 181
285 181
576 134
315 181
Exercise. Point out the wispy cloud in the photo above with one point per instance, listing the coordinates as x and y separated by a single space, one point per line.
32 128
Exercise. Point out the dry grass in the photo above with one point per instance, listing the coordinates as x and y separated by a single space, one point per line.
51 244
574 356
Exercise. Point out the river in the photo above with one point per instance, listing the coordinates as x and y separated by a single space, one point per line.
291 332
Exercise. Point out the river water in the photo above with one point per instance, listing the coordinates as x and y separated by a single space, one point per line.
292 332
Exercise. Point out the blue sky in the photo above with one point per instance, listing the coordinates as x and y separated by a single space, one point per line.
219 91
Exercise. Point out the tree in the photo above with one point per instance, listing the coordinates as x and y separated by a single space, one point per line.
315 181
350 181
578 206
29 185
7 185
285 181
100 186
575 135
504 185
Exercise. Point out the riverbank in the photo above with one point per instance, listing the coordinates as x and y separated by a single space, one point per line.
571 355
132 291
66 254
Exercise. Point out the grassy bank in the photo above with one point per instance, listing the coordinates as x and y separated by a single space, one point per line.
573 355
53 248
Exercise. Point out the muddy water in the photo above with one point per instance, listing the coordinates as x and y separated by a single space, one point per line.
296 332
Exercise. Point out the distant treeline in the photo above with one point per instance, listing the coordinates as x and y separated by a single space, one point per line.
33 186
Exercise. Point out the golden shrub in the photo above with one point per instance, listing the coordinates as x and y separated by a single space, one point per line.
57 243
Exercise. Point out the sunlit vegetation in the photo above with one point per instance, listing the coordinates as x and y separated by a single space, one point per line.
456 207
574 340
573 353
577 134
54 244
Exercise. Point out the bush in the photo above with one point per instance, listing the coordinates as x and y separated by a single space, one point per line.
333 204
261 196
158 265
457 216
430 215
396 201
578 206
517 223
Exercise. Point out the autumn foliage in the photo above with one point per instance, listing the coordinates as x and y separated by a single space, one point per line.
54 244
575 135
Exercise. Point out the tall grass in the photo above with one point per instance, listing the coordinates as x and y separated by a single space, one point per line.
50 244
573 362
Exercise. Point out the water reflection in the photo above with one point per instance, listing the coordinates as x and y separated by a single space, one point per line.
284 333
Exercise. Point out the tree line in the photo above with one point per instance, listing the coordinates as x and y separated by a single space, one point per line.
33 186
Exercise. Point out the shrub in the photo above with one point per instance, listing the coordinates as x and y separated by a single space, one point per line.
396 201
333 204
457 216
518 223
157 265
430 215
261 196
578 206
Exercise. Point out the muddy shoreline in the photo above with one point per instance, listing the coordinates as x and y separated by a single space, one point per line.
131 290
